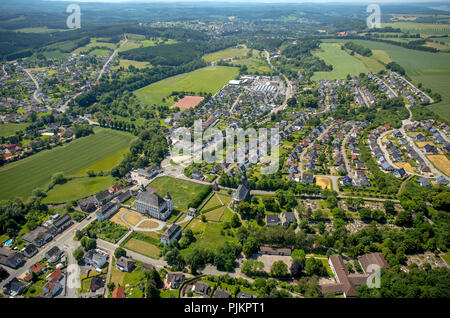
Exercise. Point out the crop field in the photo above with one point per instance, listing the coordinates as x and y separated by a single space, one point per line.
78 188
440 162
239 51
182 191
10 129
430 69
209 79
425 28
18 179
343 63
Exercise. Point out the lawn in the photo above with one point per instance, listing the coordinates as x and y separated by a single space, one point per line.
209 79
99 52
229 53
18 179
181 191
343 63
10 129
143 248
125 63
208 235
78 188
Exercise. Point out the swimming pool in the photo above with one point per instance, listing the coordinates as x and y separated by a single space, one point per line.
8 242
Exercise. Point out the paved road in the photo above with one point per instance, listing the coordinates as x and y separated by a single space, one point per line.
36 84
64 239
110 247
111 57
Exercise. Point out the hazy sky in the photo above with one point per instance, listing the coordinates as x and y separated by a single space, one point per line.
271 1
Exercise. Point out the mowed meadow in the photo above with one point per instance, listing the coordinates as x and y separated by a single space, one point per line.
208 79
343 63
430 69
20 178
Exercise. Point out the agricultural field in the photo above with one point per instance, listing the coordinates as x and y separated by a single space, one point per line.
181 191
78 188
343 63
158 41
95 42
430 69
9 129
18 179
99 52
239 51
209 79
423 28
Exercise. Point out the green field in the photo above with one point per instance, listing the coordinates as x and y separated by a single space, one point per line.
229 53
256 64
343 63
209 79
10 129
182 191
125 63
19 178
99 52
430 69
414 27
78 188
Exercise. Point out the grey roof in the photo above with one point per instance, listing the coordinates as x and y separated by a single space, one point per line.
173 229
220 293
54 251
61 220
150 198
125 262
242 192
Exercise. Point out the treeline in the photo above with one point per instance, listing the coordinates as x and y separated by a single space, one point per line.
361 50
16 45
150 149
111 89
176 54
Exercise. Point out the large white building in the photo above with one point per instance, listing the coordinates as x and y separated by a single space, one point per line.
151 204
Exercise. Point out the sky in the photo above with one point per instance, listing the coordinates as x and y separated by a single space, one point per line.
274 1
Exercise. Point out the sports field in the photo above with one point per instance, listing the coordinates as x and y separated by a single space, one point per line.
343 63
18 179
181 191
209 79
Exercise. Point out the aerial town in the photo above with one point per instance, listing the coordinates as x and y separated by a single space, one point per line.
109 191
